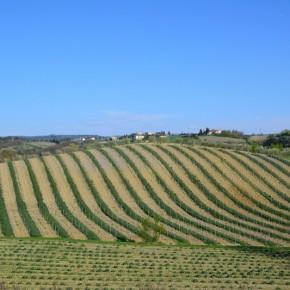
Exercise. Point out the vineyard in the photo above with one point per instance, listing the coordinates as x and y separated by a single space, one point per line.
63 264
200 195
74 220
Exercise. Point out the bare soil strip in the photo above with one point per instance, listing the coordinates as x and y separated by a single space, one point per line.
49 200
245 186
187 163
87 195
106 196
144 195
280 163
276 171
270 178
257 181
162 194
230 188
67 194
16 222
28 196
123 192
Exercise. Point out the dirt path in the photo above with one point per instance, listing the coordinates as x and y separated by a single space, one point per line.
28 196
16 222
50 202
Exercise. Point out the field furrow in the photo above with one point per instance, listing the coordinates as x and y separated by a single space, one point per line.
125 197
196 194
224 192
8 193
50 201
255 178
254 196
250 222
284 167
87 196
106 196
173 205
144 199
272 168
28 196
267 174
245 229
67 194
183 223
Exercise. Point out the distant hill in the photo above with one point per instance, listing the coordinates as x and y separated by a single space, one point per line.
52 137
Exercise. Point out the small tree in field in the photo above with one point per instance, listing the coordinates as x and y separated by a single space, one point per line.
254 148
150 231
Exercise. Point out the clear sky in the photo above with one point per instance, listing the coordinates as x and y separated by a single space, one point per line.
111 67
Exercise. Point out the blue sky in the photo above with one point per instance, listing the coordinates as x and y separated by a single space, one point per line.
111 67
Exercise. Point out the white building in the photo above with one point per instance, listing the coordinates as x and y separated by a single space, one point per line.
139 137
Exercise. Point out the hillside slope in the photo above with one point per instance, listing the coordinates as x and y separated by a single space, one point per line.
201 195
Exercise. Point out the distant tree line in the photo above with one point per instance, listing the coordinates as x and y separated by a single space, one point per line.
278 141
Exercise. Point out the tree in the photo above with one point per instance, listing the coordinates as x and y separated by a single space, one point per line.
7 154
150 231
254 148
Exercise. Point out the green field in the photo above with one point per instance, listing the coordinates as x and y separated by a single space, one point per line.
66 264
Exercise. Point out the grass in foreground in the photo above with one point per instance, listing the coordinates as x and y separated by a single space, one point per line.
67 264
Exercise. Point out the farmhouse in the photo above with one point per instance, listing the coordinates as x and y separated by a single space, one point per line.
138 137
214 132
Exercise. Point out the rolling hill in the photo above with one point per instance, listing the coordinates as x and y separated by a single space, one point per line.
200 195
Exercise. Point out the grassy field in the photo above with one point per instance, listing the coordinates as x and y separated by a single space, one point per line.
64 264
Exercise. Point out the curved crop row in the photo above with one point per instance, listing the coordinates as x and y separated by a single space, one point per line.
105 208
274 164
258 190
220 203
64 208
281 194
42 206
169 210
211 197
192 212
269 197
24 213
83 206
115 193
4 218
265 168
146 209
237 202
284 161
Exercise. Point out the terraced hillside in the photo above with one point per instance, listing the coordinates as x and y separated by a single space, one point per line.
201 195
